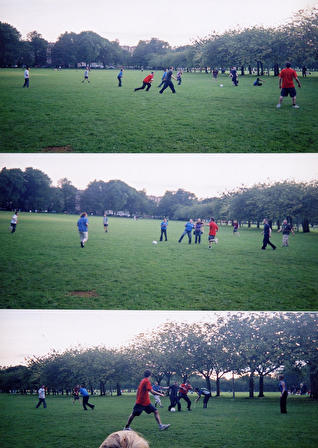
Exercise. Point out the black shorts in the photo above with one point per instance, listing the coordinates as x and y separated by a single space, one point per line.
290 91
211 238
138 408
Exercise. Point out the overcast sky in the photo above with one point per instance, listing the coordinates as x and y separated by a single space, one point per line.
24 333
178 21
205 175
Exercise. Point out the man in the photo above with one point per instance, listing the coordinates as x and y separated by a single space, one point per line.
157 388
183 393
143 402
146 82
86 75
41 393
212 232
163 77
258 82
85 395
267 234
215 73
198 231
105 221
235 228
287 86
26 77
163 228
14 221
187 231
119 77
173 395
206 393
283 394
82 225
179 77
233 75
76 392
286 229
168 82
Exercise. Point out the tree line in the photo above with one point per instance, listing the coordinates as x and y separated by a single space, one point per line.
296 40
32 190
254 346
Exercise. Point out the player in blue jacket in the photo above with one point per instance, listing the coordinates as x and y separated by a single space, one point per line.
163 227
187 231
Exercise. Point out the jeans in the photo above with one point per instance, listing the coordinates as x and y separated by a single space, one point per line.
163 232
197 237
41 400
168 84
283 402
26 82
189 233
119 81
144 84
85 402
266 241
186 398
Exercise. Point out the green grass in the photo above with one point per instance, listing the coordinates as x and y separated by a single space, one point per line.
42 264
59 111
227 423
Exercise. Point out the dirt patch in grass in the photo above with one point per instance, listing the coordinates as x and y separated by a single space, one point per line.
57 149
92 293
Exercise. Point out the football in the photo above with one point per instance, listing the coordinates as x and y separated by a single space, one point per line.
154 242
221 85
173 410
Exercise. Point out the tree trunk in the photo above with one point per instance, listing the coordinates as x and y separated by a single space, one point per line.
276 70
278 224
305 224
118 390
262 68
208 383
218 392
251 385
233 386
102 388
257 224
168 376
248 223
249 69
258 68
261 387
313 383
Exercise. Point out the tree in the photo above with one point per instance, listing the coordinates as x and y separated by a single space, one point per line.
69 193
10 45
12 188
39 48
37 190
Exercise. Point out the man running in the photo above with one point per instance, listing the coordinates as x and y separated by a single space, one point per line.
146 82
82 225
85 395
143 402
267 234
168 82
287 86
14 222
173 395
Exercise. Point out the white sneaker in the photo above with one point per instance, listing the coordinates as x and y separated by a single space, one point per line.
163 427
127 428
295 106
278 106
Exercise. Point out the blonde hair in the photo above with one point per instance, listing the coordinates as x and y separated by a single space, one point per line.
124 439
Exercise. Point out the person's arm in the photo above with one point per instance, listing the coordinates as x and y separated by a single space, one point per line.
298 82
279 230
197 399
153 392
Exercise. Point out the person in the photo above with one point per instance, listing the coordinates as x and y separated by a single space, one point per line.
76 391
146 82
157 388
286 228
124 439
168 82
234 76
82 225
183 393
163 228
86 75
267 234
198 231
215 73
206 393
212 232
85 395
26 77
14 221
304 71
287 86
41 393
105 221
143 402
187 231
283 395
163 77
119 77
173 395
258 82
179 77
235 228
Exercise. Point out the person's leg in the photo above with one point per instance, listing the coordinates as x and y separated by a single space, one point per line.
187 399
196 238
189 236
165 232
39 402
161 235
157 417
142 87
265 242
90 405
85 400
148 86
13 227
130 419
199 238
205 401
181 237
271 244
165 85
172 87
44 403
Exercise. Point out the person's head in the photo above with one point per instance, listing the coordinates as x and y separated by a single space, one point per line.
152 73
83 215
156 383
212 219
199 220
171 68
165 219
288 64
190 220
124 439
27 67
147 373
285 221
265 221
281 377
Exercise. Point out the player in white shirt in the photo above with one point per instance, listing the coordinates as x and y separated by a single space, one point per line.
14 221
26 77
86 75
41 393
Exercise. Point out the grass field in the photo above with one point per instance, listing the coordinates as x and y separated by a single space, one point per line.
59 113
227 423
43 266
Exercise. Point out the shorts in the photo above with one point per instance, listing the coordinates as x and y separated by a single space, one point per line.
138 408
288 91
211 237
105 225
76 397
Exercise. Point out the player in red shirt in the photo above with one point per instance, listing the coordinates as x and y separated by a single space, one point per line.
287 86
212 233
146 82
183 393
143 402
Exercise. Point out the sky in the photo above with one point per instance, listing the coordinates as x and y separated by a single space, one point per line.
179 22
27 333
205 175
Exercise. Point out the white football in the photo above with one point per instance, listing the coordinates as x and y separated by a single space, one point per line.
221 85
173 410
154 242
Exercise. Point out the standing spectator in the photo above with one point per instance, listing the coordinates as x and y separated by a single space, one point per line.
198 231
179 77
14 221
206 393
163 77
287 86
105 221
173 395
85 395
82 225
215 73
146 82
304 71
86 75
76 391
286 228
283 394
235 228
267 234
234 76
168 82
163 227
26 77
187 231
183 393
41 393
212 232
119 77
143 402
